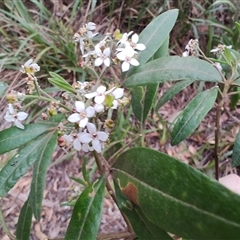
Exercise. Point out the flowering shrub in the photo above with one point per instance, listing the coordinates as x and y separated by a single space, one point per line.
156 193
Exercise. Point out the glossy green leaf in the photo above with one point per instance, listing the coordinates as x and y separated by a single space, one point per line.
86 216
193 114
236 152
176 197
163 51
21 162
39 173
14 137
60 82
24 222
143 228
173 68
142 100
3 87
154 35
172 91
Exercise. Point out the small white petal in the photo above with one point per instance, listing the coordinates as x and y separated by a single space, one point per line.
28 62
80 106
90 111
135 38
9 118
99 99
83 122
98 62
18 124
90 95
68 138
140 47
107 52
22 116
96 145
115 104
85 137
185 54
121 55
99 107
134 62
85 147
125 66
101 89
77 145
91 26
102 136
91 128
11 109
107 62
118 93
75 117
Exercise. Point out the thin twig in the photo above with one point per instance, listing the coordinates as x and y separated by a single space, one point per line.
102 169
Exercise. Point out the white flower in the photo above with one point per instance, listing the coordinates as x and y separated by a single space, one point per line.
96 138
91 26
220 48
99 95
103 57
73 139
123 41
30 67
13 116
127 57
117 93
134 43
82 87
82 114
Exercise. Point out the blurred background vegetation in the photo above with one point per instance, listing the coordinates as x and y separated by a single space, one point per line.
43 30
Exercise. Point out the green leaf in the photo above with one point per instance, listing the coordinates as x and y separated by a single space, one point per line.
24 222
60 82
173 68
172 91
142 100
39 173
143 228
86 216
3 87
21 162
236 152
193 114
176 197
14 137
163 50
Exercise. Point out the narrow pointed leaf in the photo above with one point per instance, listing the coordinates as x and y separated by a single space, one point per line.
14 137
172 91
176 197
143 228
86 216
24 222
236 152
39 173
21 162
193 114
60 82
154 35
142 100
173 68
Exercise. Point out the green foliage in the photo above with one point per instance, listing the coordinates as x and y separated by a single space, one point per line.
3 87
87 211
24 222
176 197
60 82
236 152
173 68
193 114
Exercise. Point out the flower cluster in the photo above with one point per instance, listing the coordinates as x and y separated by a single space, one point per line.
111 49
192 48
85 117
